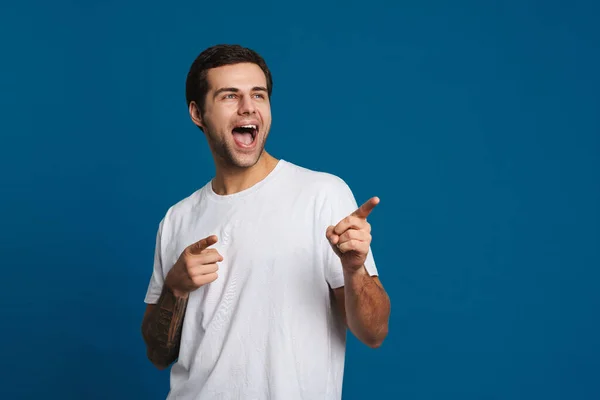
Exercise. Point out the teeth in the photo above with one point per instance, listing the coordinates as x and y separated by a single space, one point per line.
248 126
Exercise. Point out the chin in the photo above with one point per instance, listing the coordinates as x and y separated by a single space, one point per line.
244 161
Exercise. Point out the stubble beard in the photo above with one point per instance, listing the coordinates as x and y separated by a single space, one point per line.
226 153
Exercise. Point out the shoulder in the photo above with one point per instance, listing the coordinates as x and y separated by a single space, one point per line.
182 209
319 181
329 194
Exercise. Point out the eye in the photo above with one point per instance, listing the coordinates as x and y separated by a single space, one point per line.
229 96
259 95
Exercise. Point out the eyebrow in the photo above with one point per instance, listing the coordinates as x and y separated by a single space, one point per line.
236 90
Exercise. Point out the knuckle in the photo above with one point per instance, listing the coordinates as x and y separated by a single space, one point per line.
212 268
208 278
203 279
197 280
207 258
191 248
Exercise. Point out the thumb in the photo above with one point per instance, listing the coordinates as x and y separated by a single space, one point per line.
203 244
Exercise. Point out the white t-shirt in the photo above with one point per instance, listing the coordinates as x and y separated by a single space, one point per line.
268 327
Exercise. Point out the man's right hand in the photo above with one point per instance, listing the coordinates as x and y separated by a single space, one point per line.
196 267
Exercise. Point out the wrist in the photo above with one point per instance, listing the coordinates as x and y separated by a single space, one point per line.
355 272
177 293
180 294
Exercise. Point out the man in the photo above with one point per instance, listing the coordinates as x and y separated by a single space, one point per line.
258 274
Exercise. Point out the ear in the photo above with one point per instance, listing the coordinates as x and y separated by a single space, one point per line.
195 115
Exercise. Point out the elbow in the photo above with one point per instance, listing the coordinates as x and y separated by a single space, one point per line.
376 341
375 344
161 365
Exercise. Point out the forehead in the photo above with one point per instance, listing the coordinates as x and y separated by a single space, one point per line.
241 76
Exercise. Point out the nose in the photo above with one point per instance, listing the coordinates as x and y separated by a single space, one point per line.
247 106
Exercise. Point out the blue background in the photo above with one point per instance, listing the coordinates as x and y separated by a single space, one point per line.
476 124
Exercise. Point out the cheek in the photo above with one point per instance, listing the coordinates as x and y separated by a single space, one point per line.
265 113
218 120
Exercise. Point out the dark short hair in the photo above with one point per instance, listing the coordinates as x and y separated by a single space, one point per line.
196 84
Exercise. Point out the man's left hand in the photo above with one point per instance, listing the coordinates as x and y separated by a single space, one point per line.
350 239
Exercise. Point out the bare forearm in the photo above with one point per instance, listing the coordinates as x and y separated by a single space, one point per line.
367 307
161 328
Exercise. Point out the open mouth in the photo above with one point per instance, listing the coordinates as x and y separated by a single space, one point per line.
245 135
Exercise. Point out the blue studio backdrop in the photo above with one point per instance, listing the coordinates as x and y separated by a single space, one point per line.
477 124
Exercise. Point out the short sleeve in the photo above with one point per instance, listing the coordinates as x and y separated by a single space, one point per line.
340 203
157 279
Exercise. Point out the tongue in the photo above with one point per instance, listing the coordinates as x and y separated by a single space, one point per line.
243 138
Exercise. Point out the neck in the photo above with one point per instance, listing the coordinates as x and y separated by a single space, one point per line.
229 179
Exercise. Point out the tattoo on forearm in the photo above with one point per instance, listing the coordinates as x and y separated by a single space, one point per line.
162 328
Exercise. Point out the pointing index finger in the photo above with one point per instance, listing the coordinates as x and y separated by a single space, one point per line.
364 210
203 244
